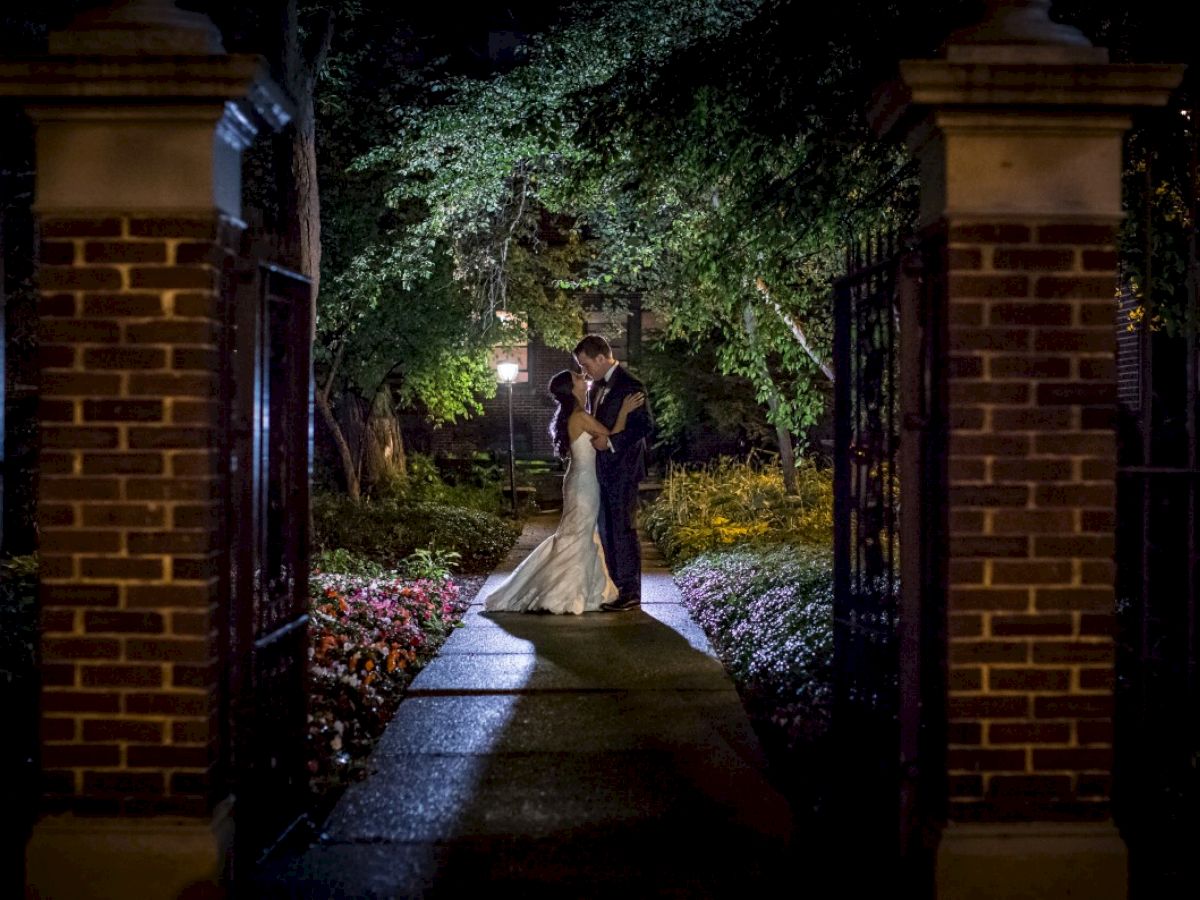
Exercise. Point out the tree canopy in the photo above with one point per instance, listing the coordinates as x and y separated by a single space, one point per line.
711 156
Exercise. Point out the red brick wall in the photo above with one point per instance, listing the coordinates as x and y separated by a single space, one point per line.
128 510
1032 464
532 409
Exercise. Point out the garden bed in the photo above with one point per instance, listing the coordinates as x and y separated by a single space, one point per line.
369 636
754 567
768 612
386 531
382 603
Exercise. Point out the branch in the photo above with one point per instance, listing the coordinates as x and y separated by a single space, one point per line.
337 361
303 64
339 438
802 339
319 50
501 270
360 451
795 328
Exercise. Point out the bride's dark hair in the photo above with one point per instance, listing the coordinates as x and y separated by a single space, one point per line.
562 389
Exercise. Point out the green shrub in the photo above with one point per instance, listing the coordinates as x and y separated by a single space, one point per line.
731 503
424 481
341 561
481 489
430 565
387 531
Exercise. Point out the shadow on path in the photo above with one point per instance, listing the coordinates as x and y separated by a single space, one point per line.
559 756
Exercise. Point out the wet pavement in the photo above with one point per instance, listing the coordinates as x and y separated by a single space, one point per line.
601 755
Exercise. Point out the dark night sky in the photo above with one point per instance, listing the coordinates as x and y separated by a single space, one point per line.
484 38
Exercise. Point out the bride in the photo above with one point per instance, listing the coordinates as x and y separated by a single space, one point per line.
566 572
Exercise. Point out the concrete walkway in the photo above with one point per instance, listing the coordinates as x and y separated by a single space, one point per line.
604 755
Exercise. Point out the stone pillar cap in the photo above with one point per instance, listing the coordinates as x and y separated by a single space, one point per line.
62 82
927 84
135 27
1018 59
1021 31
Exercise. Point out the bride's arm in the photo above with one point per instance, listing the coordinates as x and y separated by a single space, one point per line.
596 428
628 405
591 424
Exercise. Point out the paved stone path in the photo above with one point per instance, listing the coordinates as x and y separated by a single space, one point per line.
604 755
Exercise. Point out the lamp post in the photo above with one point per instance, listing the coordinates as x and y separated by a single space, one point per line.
507 373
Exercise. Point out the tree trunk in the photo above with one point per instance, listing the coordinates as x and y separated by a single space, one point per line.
302 65
401 451
383 448
308 197
787 453
349 464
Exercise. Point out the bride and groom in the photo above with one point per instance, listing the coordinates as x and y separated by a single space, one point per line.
593 561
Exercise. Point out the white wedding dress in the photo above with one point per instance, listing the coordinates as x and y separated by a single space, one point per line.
566 573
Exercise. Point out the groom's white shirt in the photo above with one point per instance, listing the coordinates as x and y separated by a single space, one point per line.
604 390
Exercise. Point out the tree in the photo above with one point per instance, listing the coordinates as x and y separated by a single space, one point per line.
408 313
646 125
697 409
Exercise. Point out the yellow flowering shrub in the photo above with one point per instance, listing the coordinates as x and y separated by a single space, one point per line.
732 502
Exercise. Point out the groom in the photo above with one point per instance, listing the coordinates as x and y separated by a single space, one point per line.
620 465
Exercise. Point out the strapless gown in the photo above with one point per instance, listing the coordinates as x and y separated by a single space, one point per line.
565 573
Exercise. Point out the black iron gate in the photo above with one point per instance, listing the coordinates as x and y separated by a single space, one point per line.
1156 789
268 391
889 642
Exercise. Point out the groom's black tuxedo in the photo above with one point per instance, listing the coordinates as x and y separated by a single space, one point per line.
619 470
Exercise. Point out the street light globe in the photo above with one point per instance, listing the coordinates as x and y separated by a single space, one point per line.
507 372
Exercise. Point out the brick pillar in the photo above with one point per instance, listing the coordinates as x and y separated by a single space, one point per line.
128 510
1020 139
1032 459
141 119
